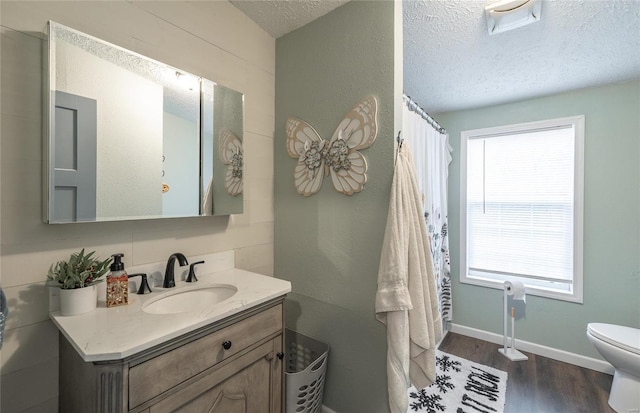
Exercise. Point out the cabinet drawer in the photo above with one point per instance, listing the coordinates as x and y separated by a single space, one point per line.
242 385
155 376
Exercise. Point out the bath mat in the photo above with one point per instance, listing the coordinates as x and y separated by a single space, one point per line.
461 386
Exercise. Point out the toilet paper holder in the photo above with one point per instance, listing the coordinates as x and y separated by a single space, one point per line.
518 291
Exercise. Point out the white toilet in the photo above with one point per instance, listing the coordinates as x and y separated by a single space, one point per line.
620 346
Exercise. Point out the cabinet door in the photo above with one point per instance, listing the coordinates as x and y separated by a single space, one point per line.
277 376
244 385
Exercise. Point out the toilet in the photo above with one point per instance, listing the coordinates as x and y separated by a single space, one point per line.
620 346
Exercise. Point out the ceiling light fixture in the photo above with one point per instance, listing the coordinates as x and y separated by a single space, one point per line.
507 15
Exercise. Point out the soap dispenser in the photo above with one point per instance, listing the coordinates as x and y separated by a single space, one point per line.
117 283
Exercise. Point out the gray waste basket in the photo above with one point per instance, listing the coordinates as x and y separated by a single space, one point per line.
305 367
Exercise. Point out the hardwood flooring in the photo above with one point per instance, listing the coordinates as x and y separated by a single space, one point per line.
540 384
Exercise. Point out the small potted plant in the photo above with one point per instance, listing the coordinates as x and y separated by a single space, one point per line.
77 278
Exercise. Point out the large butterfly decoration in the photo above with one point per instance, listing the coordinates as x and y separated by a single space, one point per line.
230 153
338 156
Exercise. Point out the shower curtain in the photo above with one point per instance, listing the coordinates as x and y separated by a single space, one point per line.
432 155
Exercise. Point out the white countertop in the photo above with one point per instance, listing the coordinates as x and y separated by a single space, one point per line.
119 332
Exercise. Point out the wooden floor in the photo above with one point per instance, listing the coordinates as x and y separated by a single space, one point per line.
539 384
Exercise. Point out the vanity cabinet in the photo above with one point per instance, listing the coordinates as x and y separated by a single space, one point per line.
233 365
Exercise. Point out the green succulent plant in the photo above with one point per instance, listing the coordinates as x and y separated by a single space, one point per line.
79 271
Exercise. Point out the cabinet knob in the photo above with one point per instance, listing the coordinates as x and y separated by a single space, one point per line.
226 345
269 357
280 355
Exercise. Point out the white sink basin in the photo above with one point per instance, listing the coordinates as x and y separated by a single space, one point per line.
194 299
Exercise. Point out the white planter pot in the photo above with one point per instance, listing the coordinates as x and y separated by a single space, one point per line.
78 301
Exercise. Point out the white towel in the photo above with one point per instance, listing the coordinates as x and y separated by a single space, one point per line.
406 300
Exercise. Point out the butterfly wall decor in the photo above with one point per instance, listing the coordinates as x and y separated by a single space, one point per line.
338 157
230 153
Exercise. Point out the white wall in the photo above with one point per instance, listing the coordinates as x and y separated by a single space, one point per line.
212 39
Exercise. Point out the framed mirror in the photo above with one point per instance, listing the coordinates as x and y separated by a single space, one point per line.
125 138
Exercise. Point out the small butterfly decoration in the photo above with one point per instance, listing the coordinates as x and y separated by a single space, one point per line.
230 153
339 157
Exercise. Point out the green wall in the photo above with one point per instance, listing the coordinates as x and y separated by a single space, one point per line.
611 222
328 244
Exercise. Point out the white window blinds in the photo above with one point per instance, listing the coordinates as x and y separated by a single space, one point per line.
520 206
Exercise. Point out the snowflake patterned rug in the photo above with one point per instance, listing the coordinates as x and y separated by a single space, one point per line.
461 386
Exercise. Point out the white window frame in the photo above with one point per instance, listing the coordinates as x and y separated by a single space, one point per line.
497 280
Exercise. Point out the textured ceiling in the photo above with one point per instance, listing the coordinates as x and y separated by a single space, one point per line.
452 63
279 17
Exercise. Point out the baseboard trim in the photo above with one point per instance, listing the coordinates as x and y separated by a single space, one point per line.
538 349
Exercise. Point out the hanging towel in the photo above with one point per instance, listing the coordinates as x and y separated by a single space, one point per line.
406 301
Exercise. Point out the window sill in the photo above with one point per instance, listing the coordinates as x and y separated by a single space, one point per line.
573 297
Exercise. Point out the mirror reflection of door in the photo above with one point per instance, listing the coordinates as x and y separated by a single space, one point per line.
74 167
138 99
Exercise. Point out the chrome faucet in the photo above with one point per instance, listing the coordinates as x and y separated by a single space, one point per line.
169 280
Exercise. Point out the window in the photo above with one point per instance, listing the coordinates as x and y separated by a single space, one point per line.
522 206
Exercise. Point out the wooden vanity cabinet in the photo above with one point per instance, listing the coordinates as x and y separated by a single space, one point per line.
233 365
